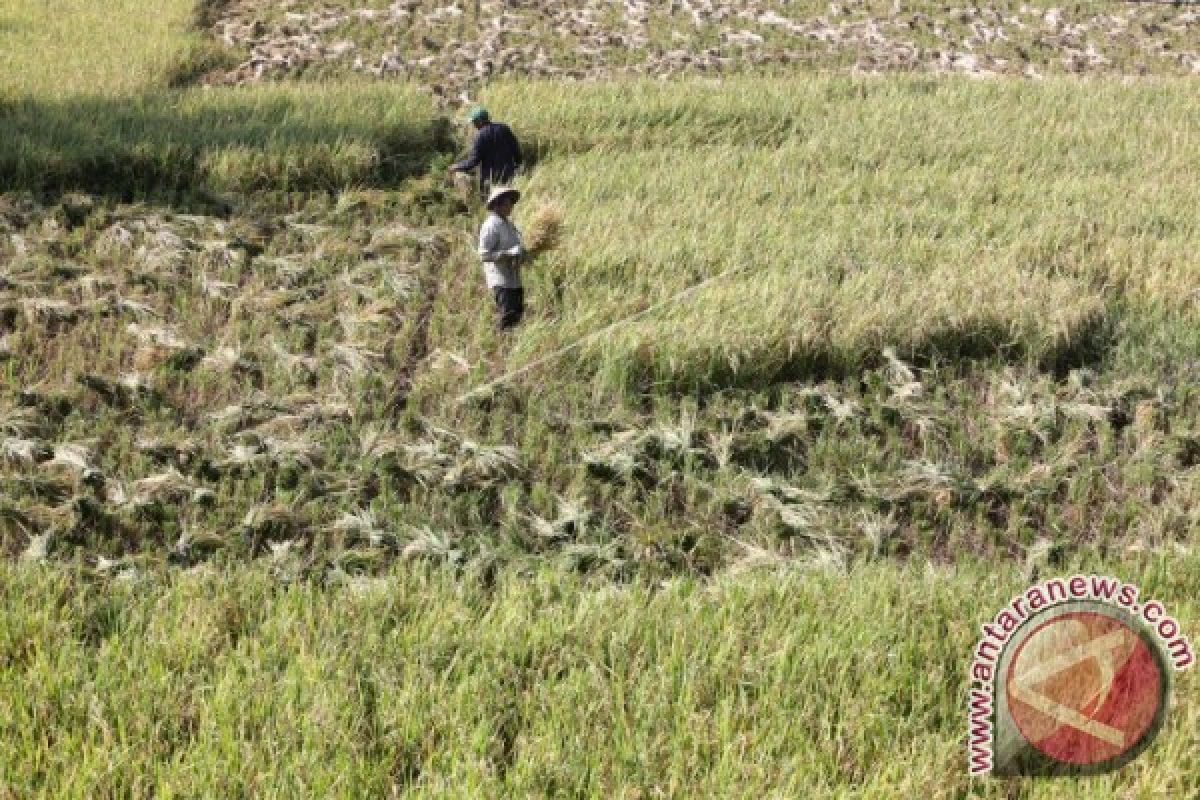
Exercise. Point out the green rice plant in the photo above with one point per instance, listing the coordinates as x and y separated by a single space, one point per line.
73 48
99 115
873 214
789 680
279 137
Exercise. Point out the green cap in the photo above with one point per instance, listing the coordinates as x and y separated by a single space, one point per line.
478 114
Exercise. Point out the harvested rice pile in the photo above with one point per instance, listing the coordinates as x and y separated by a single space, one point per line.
454 48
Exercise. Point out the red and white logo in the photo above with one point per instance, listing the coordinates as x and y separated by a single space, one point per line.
1085 688
1072 677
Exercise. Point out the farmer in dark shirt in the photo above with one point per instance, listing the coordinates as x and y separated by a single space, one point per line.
495 151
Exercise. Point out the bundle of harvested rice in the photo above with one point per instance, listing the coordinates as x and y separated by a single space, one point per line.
544 230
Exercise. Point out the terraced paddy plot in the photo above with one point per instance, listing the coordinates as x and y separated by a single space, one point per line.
943 219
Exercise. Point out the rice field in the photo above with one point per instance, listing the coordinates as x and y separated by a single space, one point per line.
201 144
61 49
88 103
282 515
424 684
937 218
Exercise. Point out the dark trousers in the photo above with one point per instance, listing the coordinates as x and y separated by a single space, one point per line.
511 304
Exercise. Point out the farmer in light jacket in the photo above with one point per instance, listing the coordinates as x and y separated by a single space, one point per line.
495 151
501 249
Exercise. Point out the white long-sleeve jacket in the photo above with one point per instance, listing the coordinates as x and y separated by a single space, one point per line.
496 238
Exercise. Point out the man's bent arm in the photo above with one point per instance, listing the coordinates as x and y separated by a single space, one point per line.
470 162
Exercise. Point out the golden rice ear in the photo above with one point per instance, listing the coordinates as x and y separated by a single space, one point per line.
544 231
